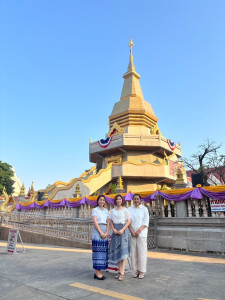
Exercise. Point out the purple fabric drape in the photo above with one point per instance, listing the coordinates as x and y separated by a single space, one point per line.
128 197
213 195
196 193
109 200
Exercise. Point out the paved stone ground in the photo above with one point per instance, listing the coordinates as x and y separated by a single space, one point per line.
47 273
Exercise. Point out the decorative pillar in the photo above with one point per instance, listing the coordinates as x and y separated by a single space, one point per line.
119 186
213 214
169 209
205 214
163 209
150 209
175 209
196 209
77 191
181 206
189 208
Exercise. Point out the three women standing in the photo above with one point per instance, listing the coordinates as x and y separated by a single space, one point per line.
119 250
100 238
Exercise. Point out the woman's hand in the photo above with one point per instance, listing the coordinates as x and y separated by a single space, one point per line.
138 232
115 231
102 235
133 233
121 231
105 236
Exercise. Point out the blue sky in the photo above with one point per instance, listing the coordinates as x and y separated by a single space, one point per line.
61 73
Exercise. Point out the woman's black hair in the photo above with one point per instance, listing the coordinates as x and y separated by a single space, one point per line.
99 198
137 195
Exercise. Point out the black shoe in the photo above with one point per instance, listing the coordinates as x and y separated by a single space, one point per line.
99 278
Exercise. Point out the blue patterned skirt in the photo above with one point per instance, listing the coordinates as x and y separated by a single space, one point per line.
119 248
99 249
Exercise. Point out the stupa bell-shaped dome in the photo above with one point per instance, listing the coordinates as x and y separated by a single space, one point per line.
132 109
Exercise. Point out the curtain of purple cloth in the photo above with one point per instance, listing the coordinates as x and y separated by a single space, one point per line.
197 193
213 195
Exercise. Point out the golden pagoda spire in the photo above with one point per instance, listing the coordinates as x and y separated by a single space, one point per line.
131 45
119 183
32 189
132 110
22 190
131 86
131 67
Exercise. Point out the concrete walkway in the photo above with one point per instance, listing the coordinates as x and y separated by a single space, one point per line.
66 273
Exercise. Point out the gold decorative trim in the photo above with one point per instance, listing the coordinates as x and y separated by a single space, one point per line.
98 174
116 126
135 112
87 173
155 129
116 159
6 202
68 183
73 181
167 158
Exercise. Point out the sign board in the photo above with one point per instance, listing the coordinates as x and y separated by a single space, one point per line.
12 240
217 205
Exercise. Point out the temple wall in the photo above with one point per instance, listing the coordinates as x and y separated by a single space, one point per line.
142 130
143 157
68 193
136 186
127 170
192 234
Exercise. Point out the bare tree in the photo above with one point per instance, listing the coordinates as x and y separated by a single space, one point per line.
207 161
216 172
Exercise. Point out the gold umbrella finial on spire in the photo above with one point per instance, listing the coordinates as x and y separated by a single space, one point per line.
131 45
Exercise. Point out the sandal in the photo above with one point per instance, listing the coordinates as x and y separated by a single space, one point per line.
136 274
141 275
121 277
117 275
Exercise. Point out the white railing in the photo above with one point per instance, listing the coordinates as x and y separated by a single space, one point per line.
61 227
73 229
193 208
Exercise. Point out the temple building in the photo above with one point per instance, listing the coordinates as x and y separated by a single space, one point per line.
133 151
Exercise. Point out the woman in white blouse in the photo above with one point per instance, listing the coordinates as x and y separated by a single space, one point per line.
100 238
119 249
139 231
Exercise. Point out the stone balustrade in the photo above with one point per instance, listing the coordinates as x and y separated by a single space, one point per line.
199 230
74 229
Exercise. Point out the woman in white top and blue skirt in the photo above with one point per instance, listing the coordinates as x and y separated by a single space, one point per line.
100 238
119 249
139 232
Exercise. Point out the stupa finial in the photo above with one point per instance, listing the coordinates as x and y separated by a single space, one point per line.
131 45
